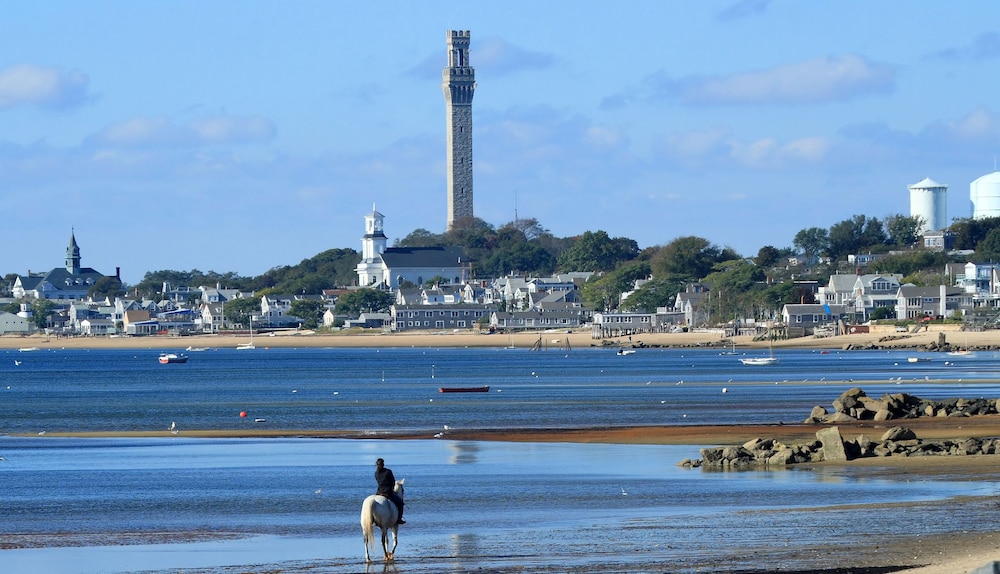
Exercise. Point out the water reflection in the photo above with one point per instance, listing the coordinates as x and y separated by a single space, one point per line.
464 544
463 452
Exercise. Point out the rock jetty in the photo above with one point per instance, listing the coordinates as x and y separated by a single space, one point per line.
850 407
853 405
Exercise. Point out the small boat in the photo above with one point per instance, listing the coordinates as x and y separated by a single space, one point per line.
918 359
245 346
196 349
482 389
759 360
27 349
625 351
960 353
168 358
732 352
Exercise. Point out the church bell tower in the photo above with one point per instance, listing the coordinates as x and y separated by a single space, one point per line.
459 85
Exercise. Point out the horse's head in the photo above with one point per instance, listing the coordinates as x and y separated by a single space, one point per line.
398 489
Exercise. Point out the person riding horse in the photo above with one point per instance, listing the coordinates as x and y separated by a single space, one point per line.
387 486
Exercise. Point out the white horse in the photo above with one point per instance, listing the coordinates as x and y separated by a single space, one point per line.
378 510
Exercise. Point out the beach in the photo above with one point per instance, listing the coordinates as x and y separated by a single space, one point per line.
935 554
885 336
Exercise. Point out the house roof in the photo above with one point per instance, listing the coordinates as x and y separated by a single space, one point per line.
814 309
430 257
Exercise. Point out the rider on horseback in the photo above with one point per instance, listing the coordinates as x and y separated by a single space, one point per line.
387 486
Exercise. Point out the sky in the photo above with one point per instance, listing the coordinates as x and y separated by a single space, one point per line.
238 136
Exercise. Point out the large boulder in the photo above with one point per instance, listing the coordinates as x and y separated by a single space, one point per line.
897 434
833 444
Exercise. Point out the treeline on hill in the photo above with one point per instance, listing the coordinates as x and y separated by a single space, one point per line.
757 285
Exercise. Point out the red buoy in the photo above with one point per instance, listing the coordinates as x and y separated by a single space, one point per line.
243 414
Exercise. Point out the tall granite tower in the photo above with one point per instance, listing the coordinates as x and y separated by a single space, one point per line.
459 84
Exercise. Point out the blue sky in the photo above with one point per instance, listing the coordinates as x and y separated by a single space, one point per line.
240 136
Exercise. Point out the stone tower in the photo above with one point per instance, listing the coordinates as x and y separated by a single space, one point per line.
459 84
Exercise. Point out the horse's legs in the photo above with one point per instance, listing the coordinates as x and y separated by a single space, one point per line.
367 541
385 546
395 540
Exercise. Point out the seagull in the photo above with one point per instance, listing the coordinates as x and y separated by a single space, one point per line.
16 362
439 435
319 491
446 427
624 493
173 425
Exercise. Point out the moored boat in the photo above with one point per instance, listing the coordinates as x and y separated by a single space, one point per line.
482 389
167 358
759 360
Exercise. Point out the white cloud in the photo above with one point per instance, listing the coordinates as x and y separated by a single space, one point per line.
829 79
770 153
160 131
718 147
743 9
809 81
27 84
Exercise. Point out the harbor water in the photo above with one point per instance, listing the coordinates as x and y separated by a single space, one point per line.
88 505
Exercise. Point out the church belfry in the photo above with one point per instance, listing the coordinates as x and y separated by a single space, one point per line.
73 255
459 84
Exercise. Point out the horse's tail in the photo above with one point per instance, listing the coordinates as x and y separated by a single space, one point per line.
368 520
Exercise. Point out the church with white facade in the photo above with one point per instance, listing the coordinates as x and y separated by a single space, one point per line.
384 267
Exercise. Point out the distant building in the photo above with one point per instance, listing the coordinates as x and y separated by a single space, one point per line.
68 283
459 86
984 193
929 202
384 267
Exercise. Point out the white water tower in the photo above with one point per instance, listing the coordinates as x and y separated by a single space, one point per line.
985 195
929 202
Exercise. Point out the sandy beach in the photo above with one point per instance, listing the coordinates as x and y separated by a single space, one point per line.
947 554
884 337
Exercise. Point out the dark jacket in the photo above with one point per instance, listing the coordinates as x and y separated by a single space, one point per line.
386 481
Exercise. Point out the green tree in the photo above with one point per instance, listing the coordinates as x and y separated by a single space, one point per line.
656 293
910 262
596 251
420 237
41 312
989 247
970 232
903 231
812 242
106 287
364 300
525 256
239 311
732 284
692 257
855 235
767 256
602 292
309 310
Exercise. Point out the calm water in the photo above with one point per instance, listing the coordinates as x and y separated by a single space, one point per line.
296 501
